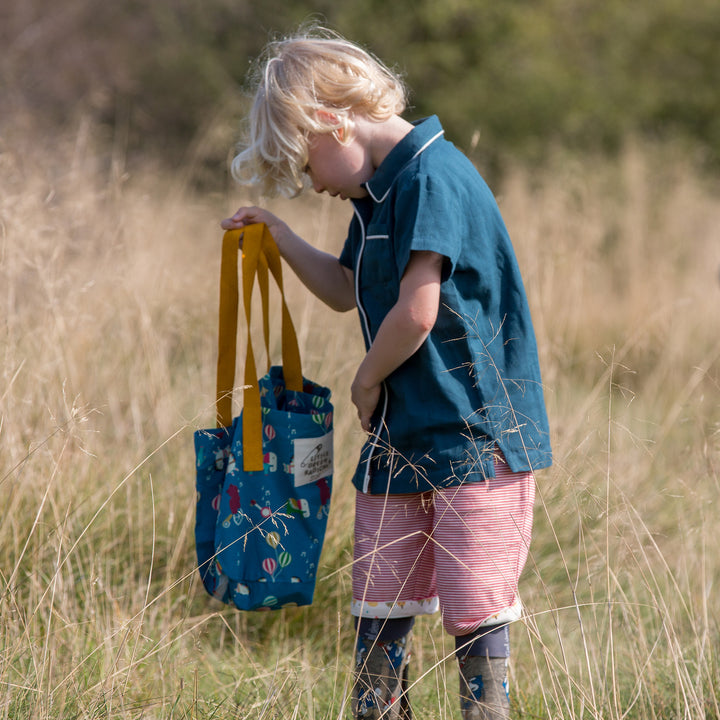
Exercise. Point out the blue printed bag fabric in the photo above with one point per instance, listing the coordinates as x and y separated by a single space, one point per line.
259 534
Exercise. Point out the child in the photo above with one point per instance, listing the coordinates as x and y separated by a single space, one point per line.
449 391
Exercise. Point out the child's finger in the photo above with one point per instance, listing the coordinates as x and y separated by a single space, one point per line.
236 222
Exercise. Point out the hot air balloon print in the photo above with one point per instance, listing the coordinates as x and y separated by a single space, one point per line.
269 565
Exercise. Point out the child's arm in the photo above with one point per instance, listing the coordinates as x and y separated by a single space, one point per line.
319 271
401 333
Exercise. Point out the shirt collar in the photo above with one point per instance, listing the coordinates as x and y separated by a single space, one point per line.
423 134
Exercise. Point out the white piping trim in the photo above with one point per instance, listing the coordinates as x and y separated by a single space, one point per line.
366 329
421 150
378 430
358 265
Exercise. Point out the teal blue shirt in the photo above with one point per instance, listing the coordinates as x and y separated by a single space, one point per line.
474 385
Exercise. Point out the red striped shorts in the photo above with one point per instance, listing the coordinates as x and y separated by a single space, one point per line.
459 549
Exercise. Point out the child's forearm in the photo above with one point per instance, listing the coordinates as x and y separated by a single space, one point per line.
319 271
401 333
397 339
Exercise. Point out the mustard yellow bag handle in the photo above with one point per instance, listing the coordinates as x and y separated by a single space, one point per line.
227 326
260 253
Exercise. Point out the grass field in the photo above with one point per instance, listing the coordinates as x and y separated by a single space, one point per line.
108 302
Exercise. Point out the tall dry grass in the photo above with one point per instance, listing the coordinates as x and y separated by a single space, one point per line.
622 260
108 296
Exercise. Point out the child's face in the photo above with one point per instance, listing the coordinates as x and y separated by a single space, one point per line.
340 170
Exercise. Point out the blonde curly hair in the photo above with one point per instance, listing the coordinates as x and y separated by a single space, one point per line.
309 83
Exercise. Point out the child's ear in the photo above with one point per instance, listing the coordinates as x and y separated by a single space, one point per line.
326 116
331 118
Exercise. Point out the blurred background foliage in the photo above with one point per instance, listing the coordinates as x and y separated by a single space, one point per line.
508 78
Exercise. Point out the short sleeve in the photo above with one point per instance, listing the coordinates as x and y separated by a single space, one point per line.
427 218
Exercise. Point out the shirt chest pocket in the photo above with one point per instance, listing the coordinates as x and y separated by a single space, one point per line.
378 259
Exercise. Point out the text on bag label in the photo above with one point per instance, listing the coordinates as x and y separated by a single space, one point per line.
313 459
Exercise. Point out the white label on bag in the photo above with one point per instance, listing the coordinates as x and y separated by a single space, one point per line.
313 459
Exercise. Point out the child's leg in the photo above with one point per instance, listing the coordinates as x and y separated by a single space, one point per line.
482 534
392 577
483 657
381 662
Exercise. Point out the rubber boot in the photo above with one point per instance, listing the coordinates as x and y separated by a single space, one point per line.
484 688
381 670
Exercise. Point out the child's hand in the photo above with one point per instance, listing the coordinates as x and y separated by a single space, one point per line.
249 215
365 399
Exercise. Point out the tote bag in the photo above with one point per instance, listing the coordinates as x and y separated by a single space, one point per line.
264 478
